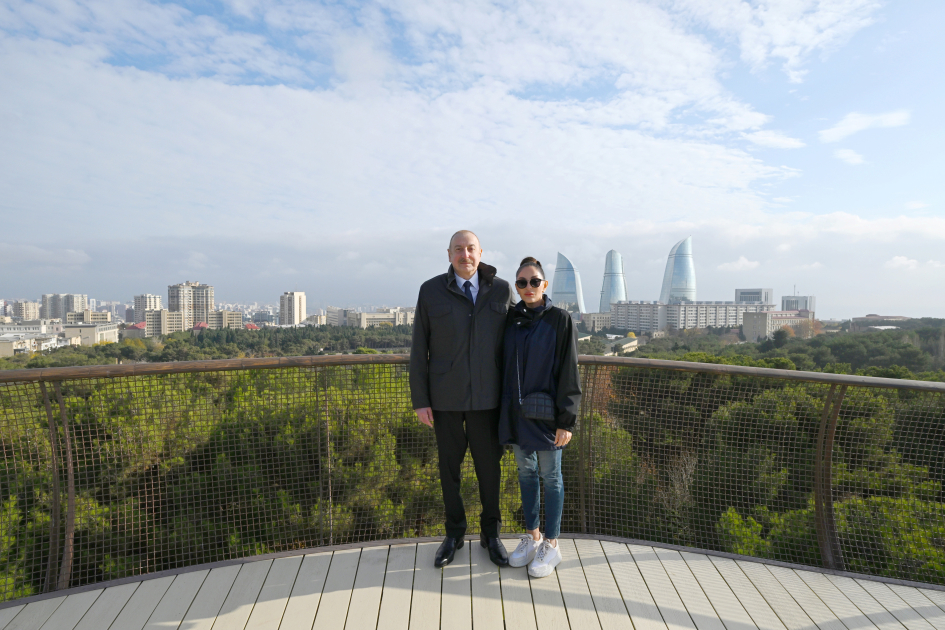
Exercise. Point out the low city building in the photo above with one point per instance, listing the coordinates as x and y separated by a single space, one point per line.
755 296
89 317
386 317
597 321
761 326
33 327
686 315
163 322
873 320
134 331
92 334
624 345
218 320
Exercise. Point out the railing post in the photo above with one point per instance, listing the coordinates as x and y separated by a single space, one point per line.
54 497
582 432
828 538
65 572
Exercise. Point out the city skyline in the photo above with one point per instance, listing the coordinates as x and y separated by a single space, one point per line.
333 148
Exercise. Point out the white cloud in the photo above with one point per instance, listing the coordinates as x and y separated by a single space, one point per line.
916 205
742 264
783 199
901 262
849 156
774 139
855 122
23 254
811 266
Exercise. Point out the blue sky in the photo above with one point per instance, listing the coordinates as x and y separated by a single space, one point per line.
332 148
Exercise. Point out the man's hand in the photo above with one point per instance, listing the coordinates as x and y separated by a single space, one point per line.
425 415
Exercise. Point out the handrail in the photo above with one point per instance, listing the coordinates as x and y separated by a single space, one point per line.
267 363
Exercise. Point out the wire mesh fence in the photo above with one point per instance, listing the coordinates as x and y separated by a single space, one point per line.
105 477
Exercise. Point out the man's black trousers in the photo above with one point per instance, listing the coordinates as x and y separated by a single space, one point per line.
480 431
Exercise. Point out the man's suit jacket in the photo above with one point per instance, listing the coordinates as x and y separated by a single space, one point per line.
456 355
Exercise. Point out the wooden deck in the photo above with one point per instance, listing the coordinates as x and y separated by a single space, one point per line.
603 585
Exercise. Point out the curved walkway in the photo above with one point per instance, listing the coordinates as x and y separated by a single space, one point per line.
600 584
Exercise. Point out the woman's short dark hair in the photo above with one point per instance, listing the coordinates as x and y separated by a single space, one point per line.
528 261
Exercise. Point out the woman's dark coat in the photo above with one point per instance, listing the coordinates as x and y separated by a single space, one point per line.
544 340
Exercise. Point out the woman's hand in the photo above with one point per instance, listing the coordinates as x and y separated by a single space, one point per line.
562 437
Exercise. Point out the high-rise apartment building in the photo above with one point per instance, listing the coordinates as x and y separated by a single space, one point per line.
679 279
57 305
27 310
798 303
291 308
566 293
755 296
192 299
640 317
146 302
614 288
337 316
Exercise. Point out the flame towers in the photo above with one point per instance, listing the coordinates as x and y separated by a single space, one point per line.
615 285
679 281
567 293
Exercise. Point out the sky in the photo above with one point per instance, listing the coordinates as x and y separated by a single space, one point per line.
333 148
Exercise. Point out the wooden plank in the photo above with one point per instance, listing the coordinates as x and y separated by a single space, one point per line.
35 614
239 602
550 612
574 589
788 610
908 617
72 610
865 602
486 590
611 611
427 587
398 588
845 610
209 600
661 587
368 586
139 608
456 609
716 589
936 597
272 600
333 608
178 598
807 599
633 589
517 603
749 597
7 614
921 604
693 597
107 607
306 593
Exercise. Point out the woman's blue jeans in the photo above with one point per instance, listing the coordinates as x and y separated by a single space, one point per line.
547 465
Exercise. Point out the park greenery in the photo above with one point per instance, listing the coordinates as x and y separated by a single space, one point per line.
181 469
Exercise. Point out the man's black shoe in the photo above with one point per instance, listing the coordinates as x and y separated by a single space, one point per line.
497 552
444 555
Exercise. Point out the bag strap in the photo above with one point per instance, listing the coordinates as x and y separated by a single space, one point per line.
518 373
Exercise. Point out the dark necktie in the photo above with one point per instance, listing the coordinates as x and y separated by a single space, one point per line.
468 291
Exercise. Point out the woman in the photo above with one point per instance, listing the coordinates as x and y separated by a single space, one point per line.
540 366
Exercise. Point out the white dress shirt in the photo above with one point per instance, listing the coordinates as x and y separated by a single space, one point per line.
473 286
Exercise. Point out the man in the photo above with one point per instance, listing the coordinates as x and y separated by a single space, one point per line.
455 384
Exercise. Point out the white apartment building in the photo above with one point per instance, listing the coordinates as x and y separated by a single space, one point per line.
192 299
386 317
640 317
26 310
89 317
798 303
92 334
219 320
761 326
57 305
146 302
763 296
162 322
687 315
337 316
291 308
33 327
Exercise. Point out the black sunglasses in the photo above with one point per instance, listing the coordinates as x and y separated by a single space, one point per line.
521 283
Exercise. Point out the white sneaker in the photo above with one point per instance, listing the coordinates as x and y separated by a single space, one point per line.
545 560
525 552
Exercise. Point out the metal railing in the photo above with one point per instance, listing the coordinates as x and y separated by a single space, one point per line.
114 471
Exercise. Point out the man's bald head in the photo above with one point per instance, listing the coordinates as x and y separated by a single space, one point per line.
464 234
